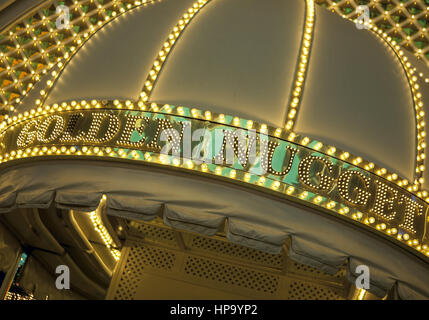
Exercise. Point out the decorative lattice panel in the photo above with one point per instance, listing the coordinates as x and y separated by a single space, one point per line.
156 232
213 262
301 290
138 258
228 249
307 271
129 276
206 269
406 21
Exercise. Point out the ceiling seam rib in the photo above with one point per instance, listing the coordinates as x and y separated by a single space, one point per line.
301 66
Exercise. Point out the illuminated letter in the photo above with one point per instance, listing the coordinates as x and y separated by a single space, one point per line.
166 131
202 152
412 209
234 144
345 184
43 134
130 127
325 182
94 129
267 152
384 200
71 128
26 136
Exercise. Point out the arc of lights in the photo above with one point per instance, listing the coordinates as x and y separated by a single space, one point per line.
79 39
420 132
418 108
301 68
300 75
411 72
98 226
167 47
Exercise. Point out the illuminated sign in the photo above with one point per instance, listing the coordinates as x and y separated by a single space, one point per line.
297 172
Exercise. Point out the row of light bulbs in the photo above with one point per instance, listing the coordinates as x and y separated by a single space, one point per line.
167 46
419 112
104 234
301 71
412 77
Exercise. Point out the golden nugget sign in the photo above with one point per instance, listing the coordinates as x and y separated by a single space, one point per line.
180 140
